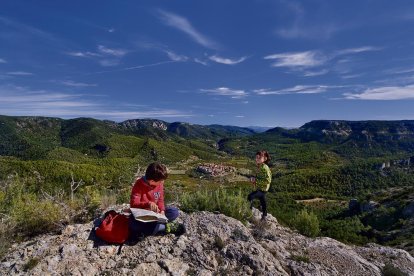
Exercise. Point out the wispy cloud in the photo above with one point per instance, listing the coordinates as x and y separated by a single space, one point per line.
203 62
3 60
310 59
105 56
357 50
298 59
27 30
227 61
316 73
83 54
298 89
175 57
225 91
400 70
134 67
109 62
299 30
383 93
351 76
17 100
19 73
111 52
77 84
182 24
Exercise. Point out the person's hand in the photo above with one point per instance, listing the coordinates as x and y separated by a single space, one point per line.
162 213
154 207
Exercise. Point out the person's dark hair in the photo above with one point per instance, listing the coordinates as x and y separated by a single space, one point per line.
156 171
265 154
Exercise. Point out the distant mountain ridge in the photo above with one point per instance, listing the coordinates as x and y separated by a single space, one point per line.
346 135
33 137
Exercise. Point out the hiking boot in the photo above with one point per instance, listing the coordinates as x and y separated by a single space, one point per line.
175 228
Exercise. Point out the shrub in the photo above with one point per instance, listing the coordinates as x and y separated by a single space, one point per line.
307 223
31 264
33 216
230 204
346 230
300 258
390 270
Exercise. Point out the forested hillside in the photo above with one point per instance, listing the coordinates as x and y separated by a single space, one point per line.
48 165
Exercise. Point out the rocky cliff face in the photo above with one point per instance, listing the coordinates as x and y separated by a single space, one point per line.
214 244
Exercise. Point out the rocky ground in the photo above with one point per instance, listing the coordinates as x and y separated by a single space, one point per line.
213 245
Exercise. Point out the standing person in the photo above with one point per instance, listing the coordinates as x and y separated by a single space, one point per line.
148 193
261 182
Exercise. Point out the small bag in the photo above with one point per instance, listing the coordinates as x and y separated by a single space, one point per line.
114 228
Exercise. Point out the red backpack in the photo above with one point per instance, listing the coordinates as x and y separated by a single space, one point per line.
114 228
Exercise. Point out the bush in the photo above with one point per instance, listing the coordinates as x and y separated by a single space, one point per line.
230 204
33 216
346 230
307 223
390 270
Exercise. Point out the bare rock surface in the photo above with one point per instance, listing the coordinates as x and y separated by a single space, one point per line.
213 244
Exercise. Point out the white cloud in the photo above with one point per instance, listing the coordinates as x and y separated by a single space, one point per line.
111 30
239 116
197 60
227 61
298 59
225 91
19 73
111 52
357 50
3 60
383 93
83 54
109 57
17 100
351 76
27 30
77 84
298 89
109 62
134 67
175 57
316 73
298 30
185 26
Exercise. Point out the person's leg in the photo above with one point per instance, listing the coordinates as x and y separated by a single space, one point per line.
250 198
159 228
263 203
171 213
138 228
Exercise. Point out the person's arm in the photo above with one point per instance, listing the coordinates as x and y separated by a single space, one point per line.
136 196
160 202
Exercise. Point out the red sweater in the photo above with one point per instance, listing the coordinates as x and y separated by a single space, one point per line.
142 194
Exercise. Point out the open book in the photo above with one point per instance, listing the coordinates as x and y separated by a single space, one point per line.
148 216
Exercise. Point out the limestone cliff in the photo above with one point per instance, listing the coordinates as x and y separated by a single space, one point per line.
213 245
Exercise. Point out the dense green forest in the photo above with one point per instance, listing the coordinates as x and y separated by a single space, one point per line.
353 181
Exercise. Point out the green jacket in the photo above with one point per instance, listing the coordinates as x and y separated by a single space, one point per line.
263 178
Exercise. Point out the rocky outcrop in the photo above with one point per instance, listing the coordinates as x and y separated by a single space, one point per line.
214 244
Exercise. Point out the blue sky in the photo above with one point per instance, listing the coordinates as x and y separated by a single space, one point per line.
231 62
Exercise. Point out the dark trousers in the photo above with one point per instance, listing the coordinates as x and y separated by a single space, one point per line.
138 228
260 195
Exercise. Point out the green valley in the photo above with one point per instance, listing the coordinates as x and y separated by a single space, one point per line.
353 181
